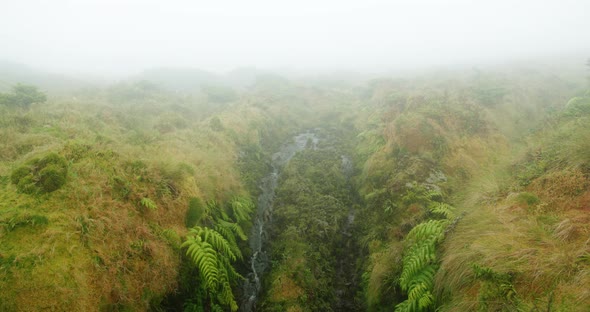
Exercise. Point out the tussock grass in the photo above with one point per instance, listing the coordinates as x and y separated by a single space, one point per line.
544 258
535 231
103 243
136 155
516 168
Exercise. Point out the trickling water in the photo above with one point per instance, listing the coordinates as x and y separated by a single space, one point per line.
260 260
346 281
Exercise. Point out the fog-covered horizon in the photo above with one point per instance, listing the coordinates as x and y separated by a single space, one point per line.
125 37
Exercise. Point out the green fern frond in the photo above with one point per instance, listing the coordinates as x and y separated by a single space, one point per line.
428 229
426 300
420 298
414 265
222 215
213 250
242 207
424 277
419 260
205 258
417 292
225 295
234 227
211 207
212 237
433 195
442 209
148 203
404 306
227 232
229 271
216 308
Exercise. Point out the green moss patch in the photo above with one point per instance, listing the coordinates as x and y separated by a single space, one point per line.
41 175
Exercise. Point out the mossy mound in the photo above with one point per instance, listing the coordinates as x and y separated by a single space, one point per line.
41 175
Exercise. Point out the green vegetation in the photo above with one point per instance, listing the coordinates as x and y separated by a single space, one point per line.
212 254
195 211
419 263
311 209
110 179
497 292
22 96
41 175
458 191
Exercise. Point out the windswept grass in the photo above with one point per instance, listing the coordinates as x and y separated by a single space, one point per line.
534 228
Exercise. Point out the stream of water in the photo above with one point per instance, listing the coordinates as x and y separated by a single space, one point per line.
346 282
260 260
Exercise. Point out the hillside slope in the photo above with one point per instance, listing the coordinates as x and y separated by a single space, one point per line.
454 191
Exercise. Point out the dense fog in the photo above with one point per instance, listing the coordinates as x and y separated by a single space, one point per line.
123 37
201 156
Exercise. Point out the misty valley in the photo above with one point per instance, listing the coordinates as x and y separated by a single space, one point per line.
465 189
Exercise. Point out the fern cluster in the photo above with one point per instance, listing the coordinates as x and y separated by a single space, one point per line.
213 250
420 261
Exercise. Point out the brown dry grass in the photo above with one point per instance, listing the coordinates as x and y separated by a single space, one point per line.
542 248
563 190
99 250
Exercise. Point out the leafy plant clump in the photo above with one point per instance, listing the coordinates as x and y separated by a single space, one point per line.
213 249
420 261
41 175
497 291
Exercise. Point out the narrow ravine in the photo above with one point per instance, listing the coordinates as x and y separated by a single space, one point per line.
260 260
346 281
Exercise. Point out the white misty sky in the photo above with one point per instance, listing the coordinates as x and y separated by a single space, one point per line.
118 36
